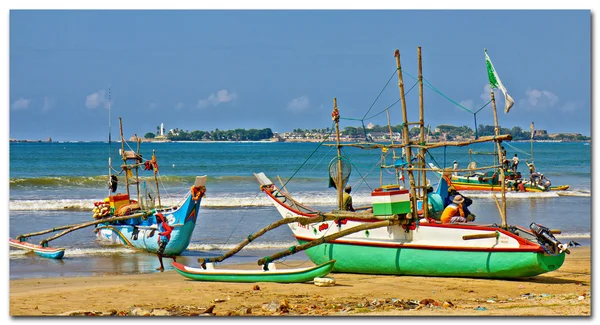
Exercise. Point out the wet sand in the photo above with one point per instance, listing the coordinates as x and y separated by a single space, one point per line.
566 292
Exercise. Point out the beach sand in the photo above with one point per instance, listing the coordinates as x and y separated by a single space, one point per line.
566 292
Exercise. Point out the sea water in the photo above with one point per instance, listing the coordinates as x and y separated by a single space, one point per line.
55 184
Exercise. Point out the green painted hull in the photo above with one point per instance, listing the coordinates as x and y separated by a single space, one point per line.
432 262
279 276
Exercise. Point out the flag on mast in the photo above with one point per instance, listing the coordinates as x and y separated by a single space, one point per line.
496 83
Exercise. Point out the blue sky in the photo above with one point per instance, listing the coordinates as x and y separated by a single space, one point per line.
201 70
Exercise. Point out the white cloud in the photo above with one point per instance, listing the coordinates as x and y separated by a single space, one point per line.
48 104
486 96
221 96
298 104
541 98
96 99
21 103
468 104
570 106
179 105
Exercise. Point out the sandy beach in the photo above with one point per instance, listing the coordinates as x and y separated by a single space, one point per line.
566 292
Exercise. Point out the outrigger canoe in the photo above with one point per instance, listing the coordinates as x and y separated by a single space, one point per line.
270 275
47 252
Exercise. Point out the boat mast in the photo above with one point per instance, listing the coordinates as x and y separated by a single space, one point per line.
422 137
531 140
137 178
156 179
336 118
408 151
500 159
123 156
109 158
387 111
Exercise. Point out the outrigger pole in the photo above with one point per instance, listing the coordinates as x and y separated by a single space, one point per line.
109 157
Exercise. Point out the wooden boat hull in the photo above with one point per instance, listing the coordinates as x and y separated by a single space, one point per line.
144 235
497 188
473 183
47 252
427 249
279 276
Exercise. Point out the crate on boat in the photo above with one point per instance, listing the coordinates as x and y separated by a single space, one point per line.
117 201
390 200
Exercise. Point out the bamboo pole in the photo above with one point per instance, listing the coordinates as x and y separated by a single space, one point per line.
414 144
156 181
339 186
448 170
422 135
123 155
408 152
481 236
502 184
95 222
295 249
387 111
137 178
502 215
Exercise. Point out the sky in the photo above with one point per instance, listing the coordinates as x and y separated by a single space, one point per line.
281 69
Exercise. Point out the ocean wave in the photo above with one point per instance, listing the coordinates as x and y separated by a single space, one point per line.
251 246
258 199
73 252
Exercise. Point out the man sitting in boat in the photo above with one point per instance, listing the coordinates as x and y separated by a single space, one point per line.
452 193
347 199
435 202
455 212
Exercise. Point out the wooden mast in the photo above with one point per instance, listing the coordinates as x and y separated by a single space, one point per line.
500 157
387 111
336 119
123 155
422 136
137 178
109 157
156 180
531 140
408 151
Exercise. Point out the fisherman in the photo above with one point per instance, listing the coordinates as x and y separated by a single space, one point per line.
347 199
455 212
164 236
452 193
455 168
435 202
503 152
515 163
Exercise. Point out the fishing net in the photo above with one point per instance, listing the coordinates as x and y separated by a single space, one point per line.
346 168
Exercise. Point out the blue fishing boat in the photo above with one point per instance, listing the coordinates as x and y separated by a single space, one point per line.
142 232
120 219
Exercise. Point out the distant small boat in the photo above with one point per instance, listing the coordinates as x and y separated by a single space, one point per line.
271 275
47 252
586 144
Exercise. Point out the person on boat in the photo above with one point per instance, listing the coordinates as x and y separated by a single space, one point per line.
503 151
435 203
515 163
452 193
455 212
347 199
164 236
455 168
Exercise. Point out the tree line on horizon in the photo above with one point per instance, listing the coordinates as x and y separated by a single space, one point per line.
451 132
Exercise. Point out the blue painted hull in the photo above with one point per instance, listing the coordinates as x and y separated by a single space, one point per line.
143 234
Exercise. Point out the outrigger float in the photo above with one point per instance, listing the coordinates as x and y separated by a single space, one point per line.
124 221
397 236
270 274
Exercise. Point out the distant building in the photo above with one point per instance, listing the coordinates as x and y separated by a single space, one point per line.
49 139
370 126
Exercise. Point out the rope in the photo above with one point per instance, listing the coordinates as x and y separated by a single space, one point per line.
320 144
362 179
393 73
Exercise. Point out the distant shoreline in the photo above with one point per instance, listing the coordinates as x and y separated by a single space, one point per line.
255 141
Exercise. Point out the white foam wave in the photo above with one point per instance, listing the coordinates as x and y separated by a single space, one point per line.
574 235
232 200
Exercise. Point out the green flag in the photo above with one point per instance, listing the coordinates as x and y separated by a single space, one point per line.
496 83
